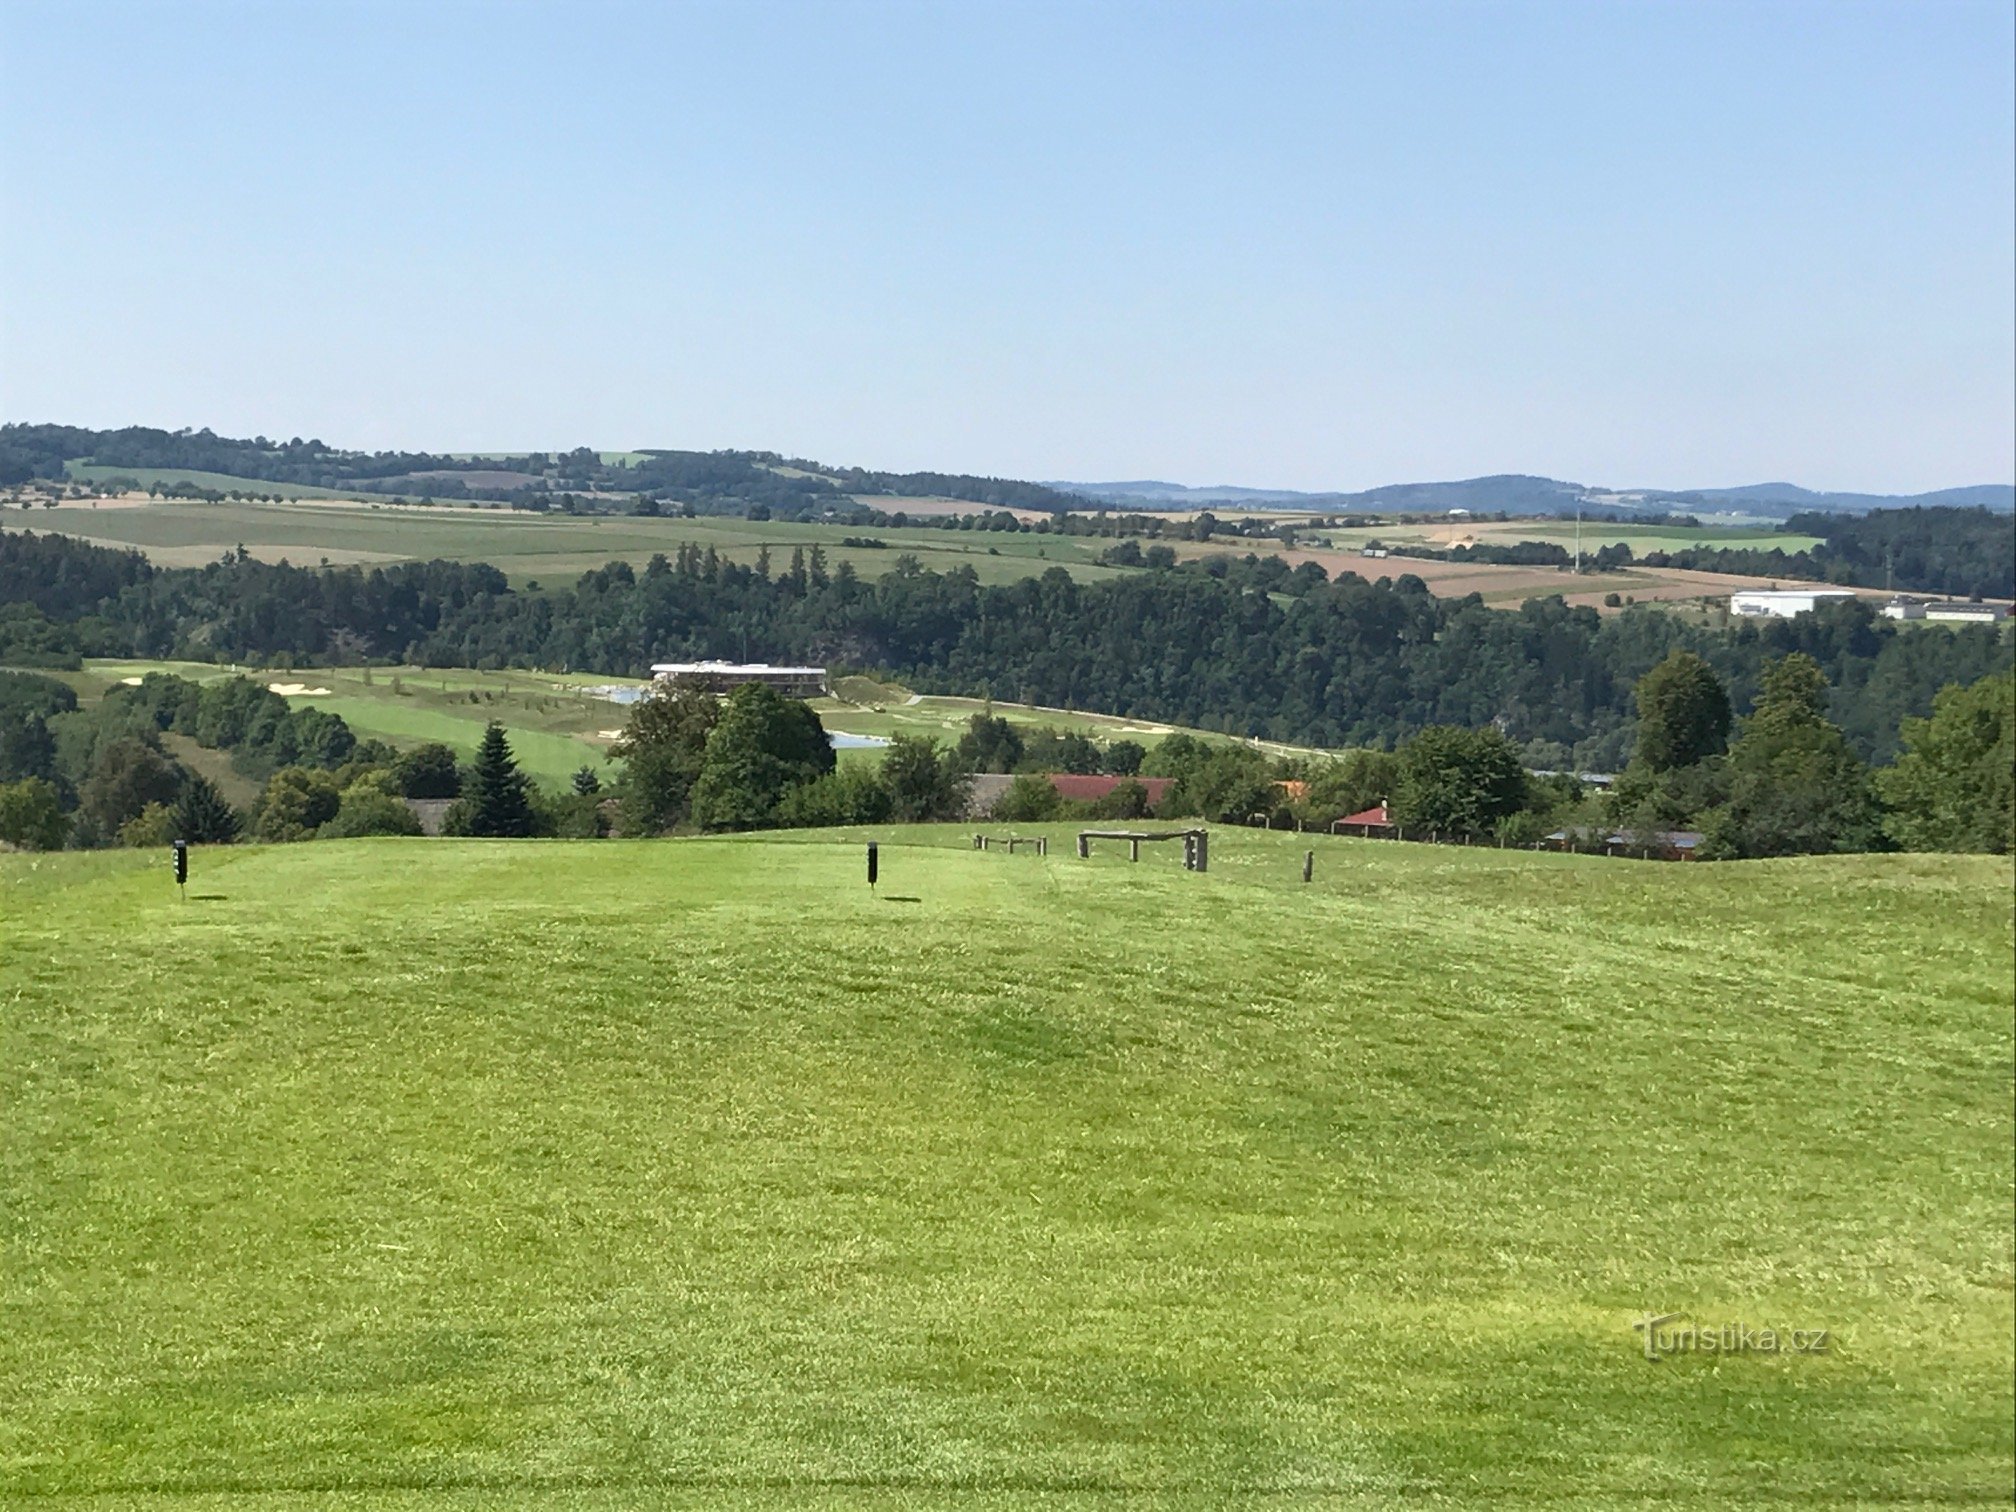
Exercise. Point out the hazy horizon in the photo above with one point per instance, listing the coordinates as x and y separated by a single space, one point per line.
1320 248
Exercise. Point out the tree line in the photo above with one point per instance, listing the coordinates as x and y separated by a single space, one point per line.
1781 781
1962 553
1243 647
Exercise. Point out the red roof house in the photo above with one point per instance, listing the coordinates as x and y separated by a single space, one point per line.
1365 821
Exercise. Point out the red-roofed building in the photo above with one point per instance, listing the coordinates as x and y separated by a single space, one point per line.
1373 823
1092 789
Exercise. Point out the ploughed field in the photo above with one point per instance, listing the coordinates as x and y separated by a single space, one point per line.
426 1173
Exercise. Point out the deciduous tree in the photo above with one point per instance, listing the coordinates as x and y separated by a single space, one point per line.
1954 788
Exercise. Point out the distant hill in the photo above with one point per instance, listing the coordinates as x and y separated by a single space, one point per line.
1517 493
1999 496
768 485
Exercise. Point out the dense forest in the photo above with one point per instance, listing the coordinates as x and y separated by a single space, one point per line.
1239 645
1967 553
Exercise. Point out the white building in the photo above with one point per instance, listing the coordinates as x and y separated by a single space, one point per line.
1903 608
1783 603
719 677
1967 614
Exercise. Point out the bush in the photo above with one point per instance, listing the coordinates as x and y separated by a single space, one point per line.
1128 800
367 809
429 771
152 826
296 803
569 816
849 795
31 815
1030 799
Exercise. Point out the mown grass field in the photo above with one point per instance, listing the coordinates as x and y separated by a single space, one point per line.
434 1173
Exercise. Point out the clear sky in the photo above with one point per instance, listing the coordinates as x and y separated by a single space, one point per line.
1305 246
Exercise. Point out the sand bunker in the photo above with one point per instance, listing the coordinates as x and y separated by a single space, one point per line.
297 690
132 682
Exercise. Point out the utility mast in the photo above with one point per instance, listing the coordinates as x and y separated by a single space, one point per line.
1578 540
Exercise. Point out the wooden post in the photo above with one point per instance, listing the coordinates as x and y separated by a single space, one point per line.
1308 865
1203 851
1084 848
1133 850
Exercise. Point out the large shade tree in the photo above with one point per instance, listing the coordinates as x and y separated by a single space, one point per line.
764 745
1795 786
1954 788
1458 781
1683 713
662 747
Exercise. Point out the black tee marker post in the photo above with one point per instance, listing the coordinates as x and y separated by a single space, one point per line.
871 865
181 850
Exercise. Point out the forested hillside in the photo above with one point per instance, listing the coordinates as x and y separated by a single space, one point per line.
1937 549
717 482
1331 664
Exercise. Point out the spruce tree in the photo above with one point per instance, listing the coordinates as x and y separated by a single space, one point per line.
495 799
202 816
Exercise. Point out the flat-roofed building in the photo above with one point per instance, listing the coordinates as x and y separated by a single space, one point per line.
1967 614
1783 603
721 677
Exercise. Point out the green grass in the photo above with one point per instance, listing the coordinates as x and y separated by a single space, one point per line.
467 1174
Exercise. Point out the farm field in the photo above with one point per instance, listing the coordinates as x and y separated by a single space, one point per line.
167 477
1508 587
531 549
1595 534
552 549
1020 1181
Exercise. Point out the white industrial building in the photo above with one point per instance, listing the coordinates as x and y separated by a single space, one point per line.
1951 611
1783 603
719 677
1967 614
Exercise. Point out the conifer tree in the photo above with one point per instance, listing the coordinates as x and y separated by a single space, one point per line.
202 815
495 801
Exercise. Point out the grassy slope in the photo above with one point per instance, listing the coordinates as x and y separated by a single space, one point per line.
692 1167
556 727
553 725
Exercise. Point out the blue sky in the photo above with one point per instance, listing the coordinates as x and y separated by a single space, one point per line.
1286 245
